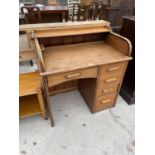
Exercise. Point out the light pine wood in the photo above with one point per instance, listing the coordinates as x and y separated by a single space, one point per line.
98 64
29 83
28 106
105 102
43 26
109 79
26 48
106 90
69 32
64 87
120 43
63 90
30 95
41 103
84 55
112 68
24 43
27 55
64 77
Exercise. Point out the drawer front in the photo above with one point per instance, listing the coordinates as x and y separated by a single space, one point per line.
112 89
112 68
64 77
105 102
109 80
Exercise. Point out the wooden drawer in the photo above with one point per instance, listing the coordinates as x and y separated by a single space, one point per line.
64 77
104 102
109 80
112 68
107 90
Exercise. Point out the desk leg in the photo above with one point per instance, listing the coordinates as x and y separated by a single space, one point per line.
42 107
48 101
63 17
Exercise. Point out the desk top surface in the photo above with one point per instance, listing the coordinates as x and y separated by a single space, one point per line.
85 55
29 83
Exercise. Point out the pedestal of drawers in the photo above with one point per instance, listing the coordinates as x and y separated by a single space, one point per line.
108 85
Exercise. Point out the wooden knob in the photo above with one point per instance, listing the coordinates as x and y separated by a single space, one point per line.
106 101
108 91
111 80
113 69
73 75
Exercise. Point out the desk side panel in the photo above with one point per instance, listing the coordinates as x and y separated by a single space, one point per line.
120 43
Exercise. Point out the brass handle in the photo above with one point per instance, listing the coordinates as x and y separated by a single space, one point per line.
113 68
111 80
107 91
106 101
73 75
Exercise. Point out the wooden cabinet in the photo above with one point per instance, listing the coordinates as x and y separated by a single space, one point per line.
128 86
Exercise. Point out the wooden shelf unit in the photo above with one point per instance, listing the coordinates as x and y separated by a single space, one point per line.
31 100
29 106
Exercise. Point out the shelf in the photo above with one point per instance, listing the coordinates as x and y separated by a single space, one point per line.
77 56
42 26
28 106
70 31
29 83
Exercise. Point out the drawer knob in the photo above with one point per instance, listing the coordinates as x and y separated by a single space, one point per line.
113 69
107 91
111 80
72 75
106 101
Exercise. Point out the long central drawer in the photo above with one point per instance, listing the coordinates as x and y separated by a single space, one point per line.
64 77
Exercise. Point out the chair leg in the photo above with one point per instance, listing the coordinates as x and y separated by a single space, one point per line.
31 62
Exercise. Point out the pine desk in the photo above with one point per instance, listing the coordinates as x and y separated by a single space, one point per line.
86 52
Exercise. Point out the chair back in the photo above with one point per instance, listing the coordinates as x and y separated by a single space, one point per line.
32 14
83 12
72 8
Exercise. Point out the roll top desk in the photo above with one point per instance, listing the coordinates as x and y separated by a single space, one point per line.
86 53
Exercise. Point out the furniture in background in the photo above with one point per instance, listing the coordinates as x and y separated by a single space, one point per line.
97 65
43 2
128 85
120 8
31 100
70 4
81 12
26 50
32 14
57 13
90 10
52 2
